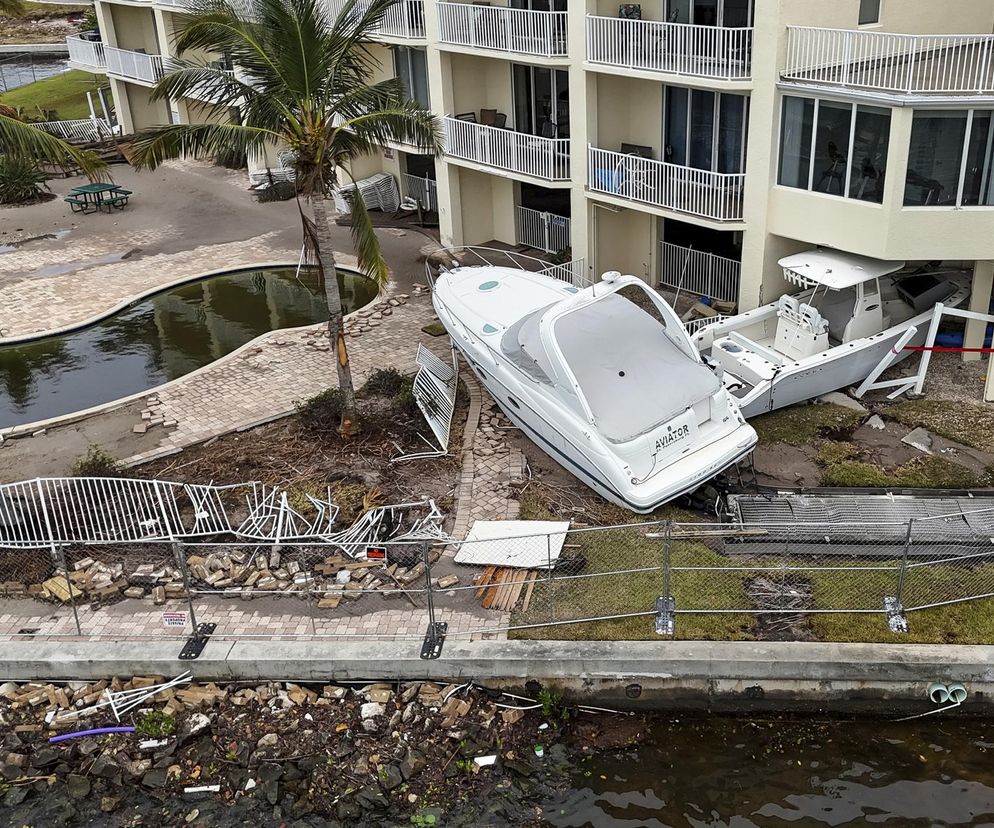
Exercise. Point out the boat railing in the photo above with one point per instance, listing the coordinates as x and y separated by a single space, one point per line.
695 325
445 259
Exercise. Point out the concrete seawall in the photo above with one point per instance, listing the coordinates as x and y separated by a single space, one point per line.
717 676
34 48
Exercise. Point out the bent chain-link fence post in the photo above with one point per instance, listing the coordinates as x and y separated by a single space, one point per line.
665 603
187 585
552 616
435 636
894 606
60 553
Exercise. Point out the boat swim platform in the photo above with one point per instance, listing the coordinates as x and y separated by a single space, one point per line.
867 523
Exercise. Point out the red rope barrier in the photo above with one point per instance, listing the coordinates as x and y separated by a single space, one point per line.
942 350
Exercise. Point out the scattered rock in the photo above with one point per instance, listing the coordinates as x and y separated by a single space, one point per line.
78 786
920 439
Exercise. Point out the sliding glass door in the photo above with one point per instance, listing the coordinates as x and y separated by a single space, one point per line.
728 13
705 130
541 100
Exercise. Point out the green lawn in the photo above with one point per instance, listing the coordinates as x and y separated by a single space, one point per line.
65 94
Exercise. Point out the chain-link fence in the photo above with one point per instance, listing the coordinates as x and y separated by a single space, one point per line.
697 580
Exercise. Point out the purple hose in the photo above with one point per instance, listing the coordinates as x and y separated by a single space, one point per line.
95 732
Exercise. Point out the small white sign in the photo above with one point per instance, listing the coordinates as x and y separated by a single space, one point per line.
174 619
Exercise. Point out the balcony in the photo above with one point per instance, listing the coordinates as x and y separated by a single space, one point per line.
883 62
507 151
404 20
500 29
138 66
670 48
701 193
87 54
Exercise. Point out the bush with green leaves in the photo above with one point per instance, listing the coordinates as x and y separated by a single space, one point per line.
386 382
96 463
21 180
156 725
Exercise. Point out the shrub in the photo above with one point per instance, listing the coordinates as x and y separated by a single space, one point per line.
96 463
156 725
21 180
322 412
279 191
387 382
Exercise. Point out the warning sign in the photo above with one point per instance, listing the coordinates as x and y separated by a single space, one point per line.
174 619
376 553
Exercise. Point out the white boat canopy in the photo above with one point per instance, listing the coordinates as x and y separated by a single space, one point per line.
834 269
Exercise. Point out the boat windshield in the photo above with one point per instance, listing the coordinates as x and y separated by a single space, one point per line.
633 376
522 345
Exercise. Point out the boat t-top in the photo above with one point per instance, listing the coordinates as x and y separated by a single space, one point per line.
848 314
604 379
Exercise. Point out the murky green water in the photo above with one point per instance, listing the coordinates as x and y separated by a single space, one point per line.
733 773
161 338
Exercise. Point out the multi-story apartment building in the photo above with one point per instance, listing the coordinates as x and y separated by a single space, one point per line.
690 142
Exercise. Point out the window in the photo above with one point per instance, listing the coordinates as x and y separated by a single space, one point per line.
412 70
541 100
869 12
950 159
833 148
705 130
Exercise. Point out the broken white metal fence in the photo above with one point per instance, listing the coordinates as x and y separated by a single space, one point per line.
82 130
424 190
435 393
699 273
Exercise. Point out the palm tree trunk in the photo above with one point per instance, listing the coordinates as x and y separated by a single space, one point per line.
324 249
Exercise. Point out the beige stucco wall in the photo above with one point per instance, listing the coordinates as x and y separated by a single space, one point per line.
134 28
144 111
480 83
629 110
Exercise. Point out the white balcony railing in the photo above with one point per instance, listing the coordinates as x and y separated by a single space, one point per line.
895 63
711 195
88 53
135 65
404 19
504 149
676 48
424 190
502 29
543 231
699 273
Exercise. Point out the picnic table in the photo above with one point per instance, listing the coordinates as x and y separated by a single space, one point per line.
89 198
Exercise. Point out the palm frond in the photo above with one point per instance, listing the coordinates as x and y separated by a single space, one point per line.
197 140
367 245
27 141
409 123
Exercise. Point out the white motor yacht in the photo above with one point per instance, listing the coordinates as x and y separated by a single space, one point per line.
849 313
605 379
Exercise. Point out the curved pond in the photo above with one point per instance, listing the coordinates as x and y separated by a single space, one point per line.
161 338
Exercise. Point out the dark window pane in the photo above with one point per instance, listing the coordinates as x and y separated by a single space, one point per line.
731 132
419 77
934 157
869 153
676 125
831 147
978 186
701 128
869 11
795 141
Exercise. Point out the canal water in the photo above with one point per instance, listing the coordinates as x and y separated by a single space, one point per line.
19 70
739 773
161 338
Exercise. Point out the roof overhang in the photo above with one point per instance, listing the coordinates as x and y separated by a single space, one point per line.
834 269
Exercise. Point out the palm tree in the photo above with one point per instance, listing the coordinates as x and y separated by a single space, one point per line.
301 83
28 141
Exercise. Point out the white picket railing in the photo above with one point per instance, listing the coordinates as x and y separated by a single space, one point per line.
404 19
545 158
703 193
135 65
424 190
677 48
82 130
694 325
543 231
502 29
88 53
887 62
700 273
573 273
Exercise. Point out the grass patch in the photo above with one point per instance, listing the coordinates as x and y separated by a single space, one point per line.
801 425
64 94
966 423
434 329
46 11
844 469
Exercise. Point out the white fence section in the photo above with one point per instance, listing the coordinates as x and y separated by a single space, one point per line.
83 130
699 273
404 19
695 325
134 65
543 231
678 48
435 393
502 29
887 62
424 190
703 193
574 273
546 158
86 52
